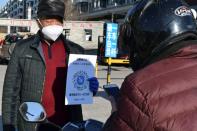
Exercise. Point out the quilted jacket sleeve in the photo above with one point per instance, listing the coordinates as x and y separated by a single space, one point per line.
11 91
132 111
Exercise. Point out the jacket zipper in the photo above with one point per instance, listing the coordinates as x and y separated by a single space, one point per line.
50 56
44 77
67 58
43 85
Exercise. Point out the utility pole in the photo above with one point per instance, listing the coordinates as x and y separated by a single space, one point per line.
24 9
8 16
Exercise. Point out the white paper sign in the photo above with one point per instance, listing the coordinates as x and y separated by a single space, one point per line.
80 68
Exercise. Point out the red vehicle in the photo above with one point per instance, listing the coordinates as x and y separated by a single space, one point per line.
8 45
1 42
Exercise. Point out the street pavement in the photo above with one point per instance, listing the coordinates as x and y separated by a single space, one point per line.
101 109
2 75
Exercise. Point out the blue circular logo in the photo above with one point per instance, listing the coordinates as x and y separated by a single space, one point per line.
80 80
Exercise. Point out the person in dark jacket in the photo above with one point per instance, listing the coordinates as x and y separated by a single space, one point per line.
161 94
37 72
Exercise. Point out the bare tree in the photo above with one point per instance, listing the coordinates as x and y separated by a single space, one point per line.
70 11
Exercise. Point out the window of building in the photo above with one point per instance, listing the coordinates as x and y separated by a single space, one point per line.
88 34
15 6
110 2
99 3
103 3
67 33
31 3
84 7
32 11
20 10
121 2
21 3
116 2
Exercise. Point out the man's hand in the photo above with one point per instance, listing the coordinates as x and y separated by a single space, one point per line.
93 85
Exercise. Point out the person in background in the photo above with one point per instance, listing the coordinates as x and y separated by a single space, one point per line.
161 94
37 72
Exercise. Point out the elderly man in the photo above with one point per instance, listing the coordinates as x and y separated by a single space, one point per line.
37 72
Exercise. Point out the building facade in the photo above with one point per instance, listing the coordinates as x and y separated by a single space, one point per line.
20 9
108 10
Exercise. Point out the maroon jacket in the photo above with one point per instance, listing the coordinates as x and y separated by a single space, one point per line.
160 97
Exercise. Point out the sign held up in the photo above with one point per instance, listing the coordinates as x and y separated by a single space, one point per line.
80 69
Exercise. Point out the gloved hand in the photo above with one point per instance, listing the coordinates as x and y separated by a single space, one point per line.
93 85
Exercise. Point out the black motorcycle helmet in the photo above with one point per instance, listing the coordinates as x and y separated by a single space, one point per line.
156 25
126 33
51 9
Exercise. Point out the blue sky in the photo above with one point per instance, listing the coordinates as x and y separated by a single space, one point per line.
3 2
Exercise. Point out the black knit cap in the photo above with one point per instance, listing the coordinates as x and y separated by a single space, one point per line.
51 9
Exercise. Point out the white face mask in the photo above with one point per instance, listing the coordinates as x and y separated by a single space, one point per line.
52 32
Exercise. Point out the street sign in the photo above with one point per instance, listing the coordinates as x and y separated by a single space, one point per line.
111 40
